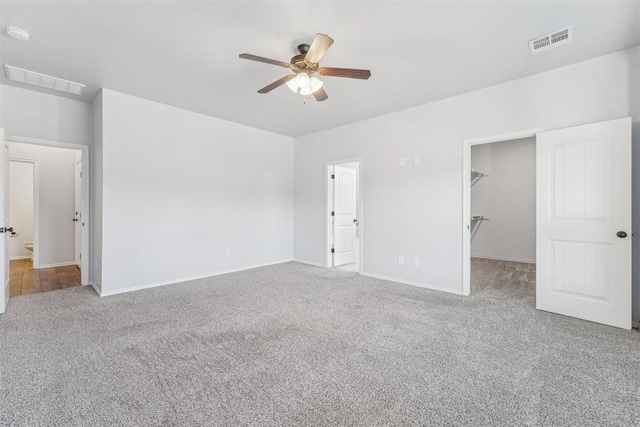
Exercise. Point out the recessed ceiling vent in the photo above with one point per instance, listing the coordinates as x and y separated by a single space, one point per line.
32 78
552 40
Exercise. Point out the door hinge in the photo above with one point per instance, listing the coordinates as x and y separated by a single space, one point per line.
80 174
333 176
333 213
80 256
333 250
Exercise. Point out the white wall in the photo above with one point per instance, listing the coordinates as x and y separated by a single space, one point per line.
636 217
95 259
20 208
416 210
55 239
508 198
32 114
179 188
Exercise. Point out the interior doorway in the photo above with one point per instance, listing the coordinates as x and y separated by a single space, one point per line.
46 225
503 218
344 215
583 219
473 177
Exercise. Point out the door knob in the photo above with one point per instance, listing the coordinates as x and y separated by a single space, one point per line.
621 234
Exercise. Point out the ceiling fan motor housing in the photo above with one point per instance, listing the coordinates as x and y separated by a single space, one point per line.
298 63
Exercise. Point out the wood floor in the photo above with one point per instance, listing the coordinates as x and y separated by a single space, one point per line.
24 280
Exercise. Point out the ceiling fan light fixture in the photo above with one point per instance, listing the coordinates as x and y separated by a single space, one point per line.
303 80
305 85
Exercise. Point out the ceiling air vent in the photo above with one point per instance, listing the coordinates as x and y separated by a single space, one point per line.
32 78
552 40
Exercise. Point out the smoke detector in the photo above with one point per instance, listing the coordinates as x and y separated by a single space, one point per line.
555 39
18 34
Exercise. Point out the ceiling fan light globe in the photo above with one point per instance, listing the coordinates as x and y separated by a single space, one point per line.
303 80
305 91
315 83
293 85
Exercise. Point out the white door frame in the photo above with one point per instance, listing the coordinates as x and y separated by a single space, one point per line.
466 194
327 209
81 216
36 205
84 273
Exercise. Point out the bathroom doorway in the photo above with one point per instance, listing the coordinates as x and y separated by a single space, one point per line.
46 218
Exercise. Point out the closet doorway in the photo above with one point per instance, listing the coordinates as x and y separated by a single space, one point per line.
344 215
503 218
582 221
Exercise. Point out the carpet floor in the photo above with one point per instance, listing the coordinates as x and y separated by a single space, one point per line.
293 344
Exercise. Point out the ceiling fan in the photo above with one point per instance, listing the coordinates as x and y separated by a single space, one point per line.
305 65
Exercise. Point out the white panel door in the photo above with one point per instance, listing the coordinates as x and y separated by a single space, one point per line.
584 222
78 220
4 222
344 221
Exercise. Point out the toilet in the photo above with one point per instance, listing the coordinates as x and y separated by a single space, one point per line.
29 246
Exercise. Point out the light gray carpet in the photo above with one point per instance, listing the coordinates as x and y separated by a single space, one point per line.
299 345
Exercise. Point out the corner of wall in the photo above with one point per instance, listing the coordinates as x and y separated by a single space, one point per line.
634 84
635 226
95 201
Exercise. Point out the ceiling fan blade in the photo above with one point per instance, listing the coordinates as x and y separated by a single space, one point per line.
265 60
345 72
277 83
320 95
321 43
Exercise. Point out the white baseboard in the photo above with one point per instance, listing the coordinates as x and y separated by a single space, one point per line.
310 263
96 288
497 258
185 279
635 325
14 258
56 264
409 282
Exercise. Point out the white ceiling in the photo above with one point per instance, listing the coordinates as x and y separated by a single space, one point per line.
186 53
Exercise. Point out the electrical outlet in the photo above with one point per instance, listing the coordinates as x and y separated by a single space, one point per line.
228 252
401 260
416 160
402 161
416 262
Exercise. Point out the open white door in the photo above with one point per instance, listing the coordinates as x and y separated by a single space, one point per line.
584 222
344 221
77 219
4 222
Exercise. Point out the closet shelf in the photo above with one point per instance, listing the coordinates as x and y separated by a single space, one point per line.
476 176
